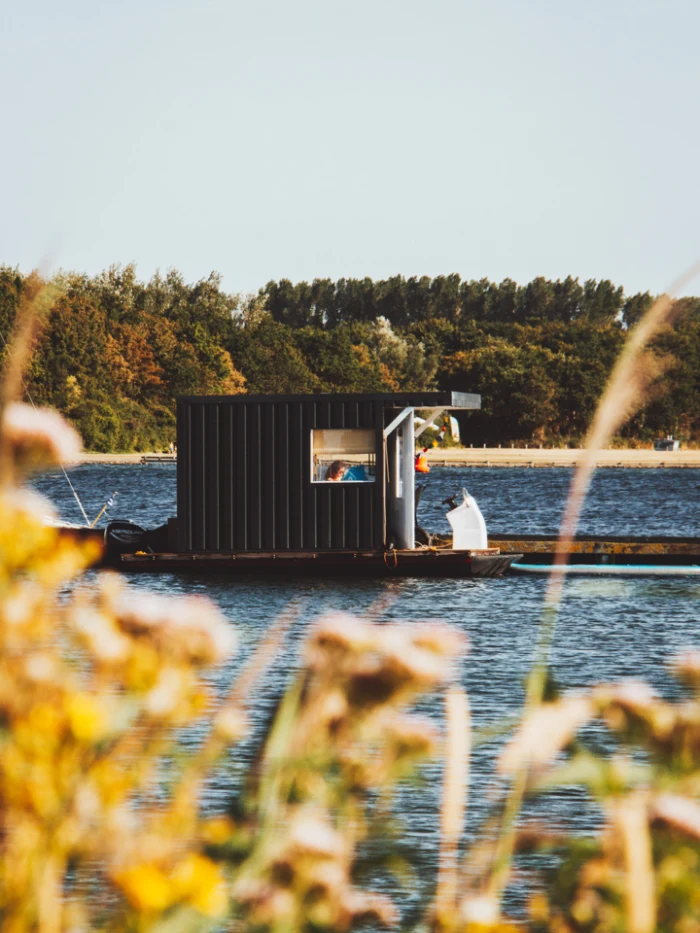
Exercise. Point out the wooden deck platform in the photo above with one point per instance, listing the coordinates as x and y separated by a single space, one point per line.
658 545
600 554
395 563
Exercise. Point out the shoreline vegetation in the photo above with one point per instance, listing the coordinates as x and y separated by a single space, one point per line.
112 353
493 457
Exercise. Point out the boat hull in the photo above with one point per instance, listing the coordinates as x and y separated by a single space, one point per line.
418 563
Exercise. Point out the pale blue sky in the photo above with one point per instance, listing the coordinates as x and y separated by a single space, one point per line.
272 139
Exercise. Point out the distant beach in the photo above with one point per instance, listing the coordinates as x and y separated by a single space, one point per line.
499 457
537 457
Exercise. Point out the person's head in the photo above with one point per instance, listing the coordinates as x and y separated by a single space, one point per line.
335 472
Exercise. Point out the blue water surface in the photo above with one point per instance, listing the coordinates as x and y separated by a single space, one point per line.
607 629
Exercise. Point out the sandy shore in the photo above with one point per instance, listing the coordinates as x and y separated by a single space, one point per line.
490 456
505 457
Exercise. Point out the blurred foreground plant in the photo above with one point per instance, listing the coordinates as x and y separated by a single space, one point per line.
641 871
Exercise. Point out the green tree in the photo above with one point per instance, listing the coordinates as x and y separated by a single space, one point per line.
263 350
516 385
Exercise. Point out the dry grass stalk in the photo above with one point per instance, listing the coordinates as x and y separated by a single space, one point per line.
629 377
687 666
229 722
36 300
544 732
35 438
679 812
626 381
454 797
632 819
380 606
264 653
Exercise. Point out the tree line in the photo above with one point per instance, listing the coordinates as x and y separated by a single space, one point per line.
114 352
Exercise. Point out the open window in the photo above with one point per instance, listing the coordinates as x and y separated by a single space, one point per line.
343 455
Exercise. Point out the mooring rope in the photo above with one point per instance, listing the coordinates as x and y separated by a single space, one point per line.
396 558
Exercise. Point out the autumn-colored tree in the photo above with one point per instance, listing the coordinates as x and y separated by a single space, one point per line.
115 352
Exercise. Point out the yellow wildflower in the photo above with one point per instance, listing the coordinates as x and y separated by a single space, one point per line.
218 830
46 722
88 717
146 887
199 881
42 792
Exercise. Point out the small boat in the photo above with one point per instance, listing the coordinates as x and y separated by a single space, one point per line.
131 548
668 443
305 484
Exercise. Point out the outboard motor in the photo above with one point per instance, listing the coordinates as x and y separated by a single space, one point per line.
468 525
124 537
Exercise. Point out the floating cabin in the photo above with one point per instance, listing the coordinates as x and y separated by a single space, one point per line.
256 488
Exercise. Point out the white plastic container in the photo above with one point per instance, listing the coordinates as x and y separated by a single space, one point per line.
468 526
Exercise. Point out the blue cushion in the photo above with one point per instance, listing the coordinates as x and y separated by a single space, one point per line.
355 474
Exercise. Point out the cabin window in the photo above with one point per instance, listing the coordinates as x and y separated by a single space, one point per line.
343 455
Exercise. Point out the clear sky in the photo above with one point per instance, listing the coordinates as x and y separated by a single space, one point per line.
324 138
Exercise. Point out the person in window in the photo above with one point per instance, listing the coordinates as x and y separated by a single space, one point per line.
335 472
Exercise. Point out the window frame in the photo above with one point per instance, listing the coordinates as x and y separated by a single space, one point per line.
371 480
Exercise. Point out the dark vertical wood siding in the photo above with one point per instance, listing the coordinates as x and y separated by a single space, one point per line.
244 477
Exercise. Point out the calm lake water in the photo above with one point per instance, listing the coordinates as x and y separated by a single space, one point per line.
607 630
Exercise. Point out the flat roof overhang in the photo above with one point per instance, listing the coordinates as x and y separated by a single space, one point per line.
438 399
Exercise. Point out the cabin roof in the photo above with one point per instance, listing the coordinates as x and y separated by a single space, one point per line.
442 399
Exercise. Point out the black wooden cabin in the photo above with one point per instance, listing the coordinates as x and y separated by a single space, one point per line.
253 471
